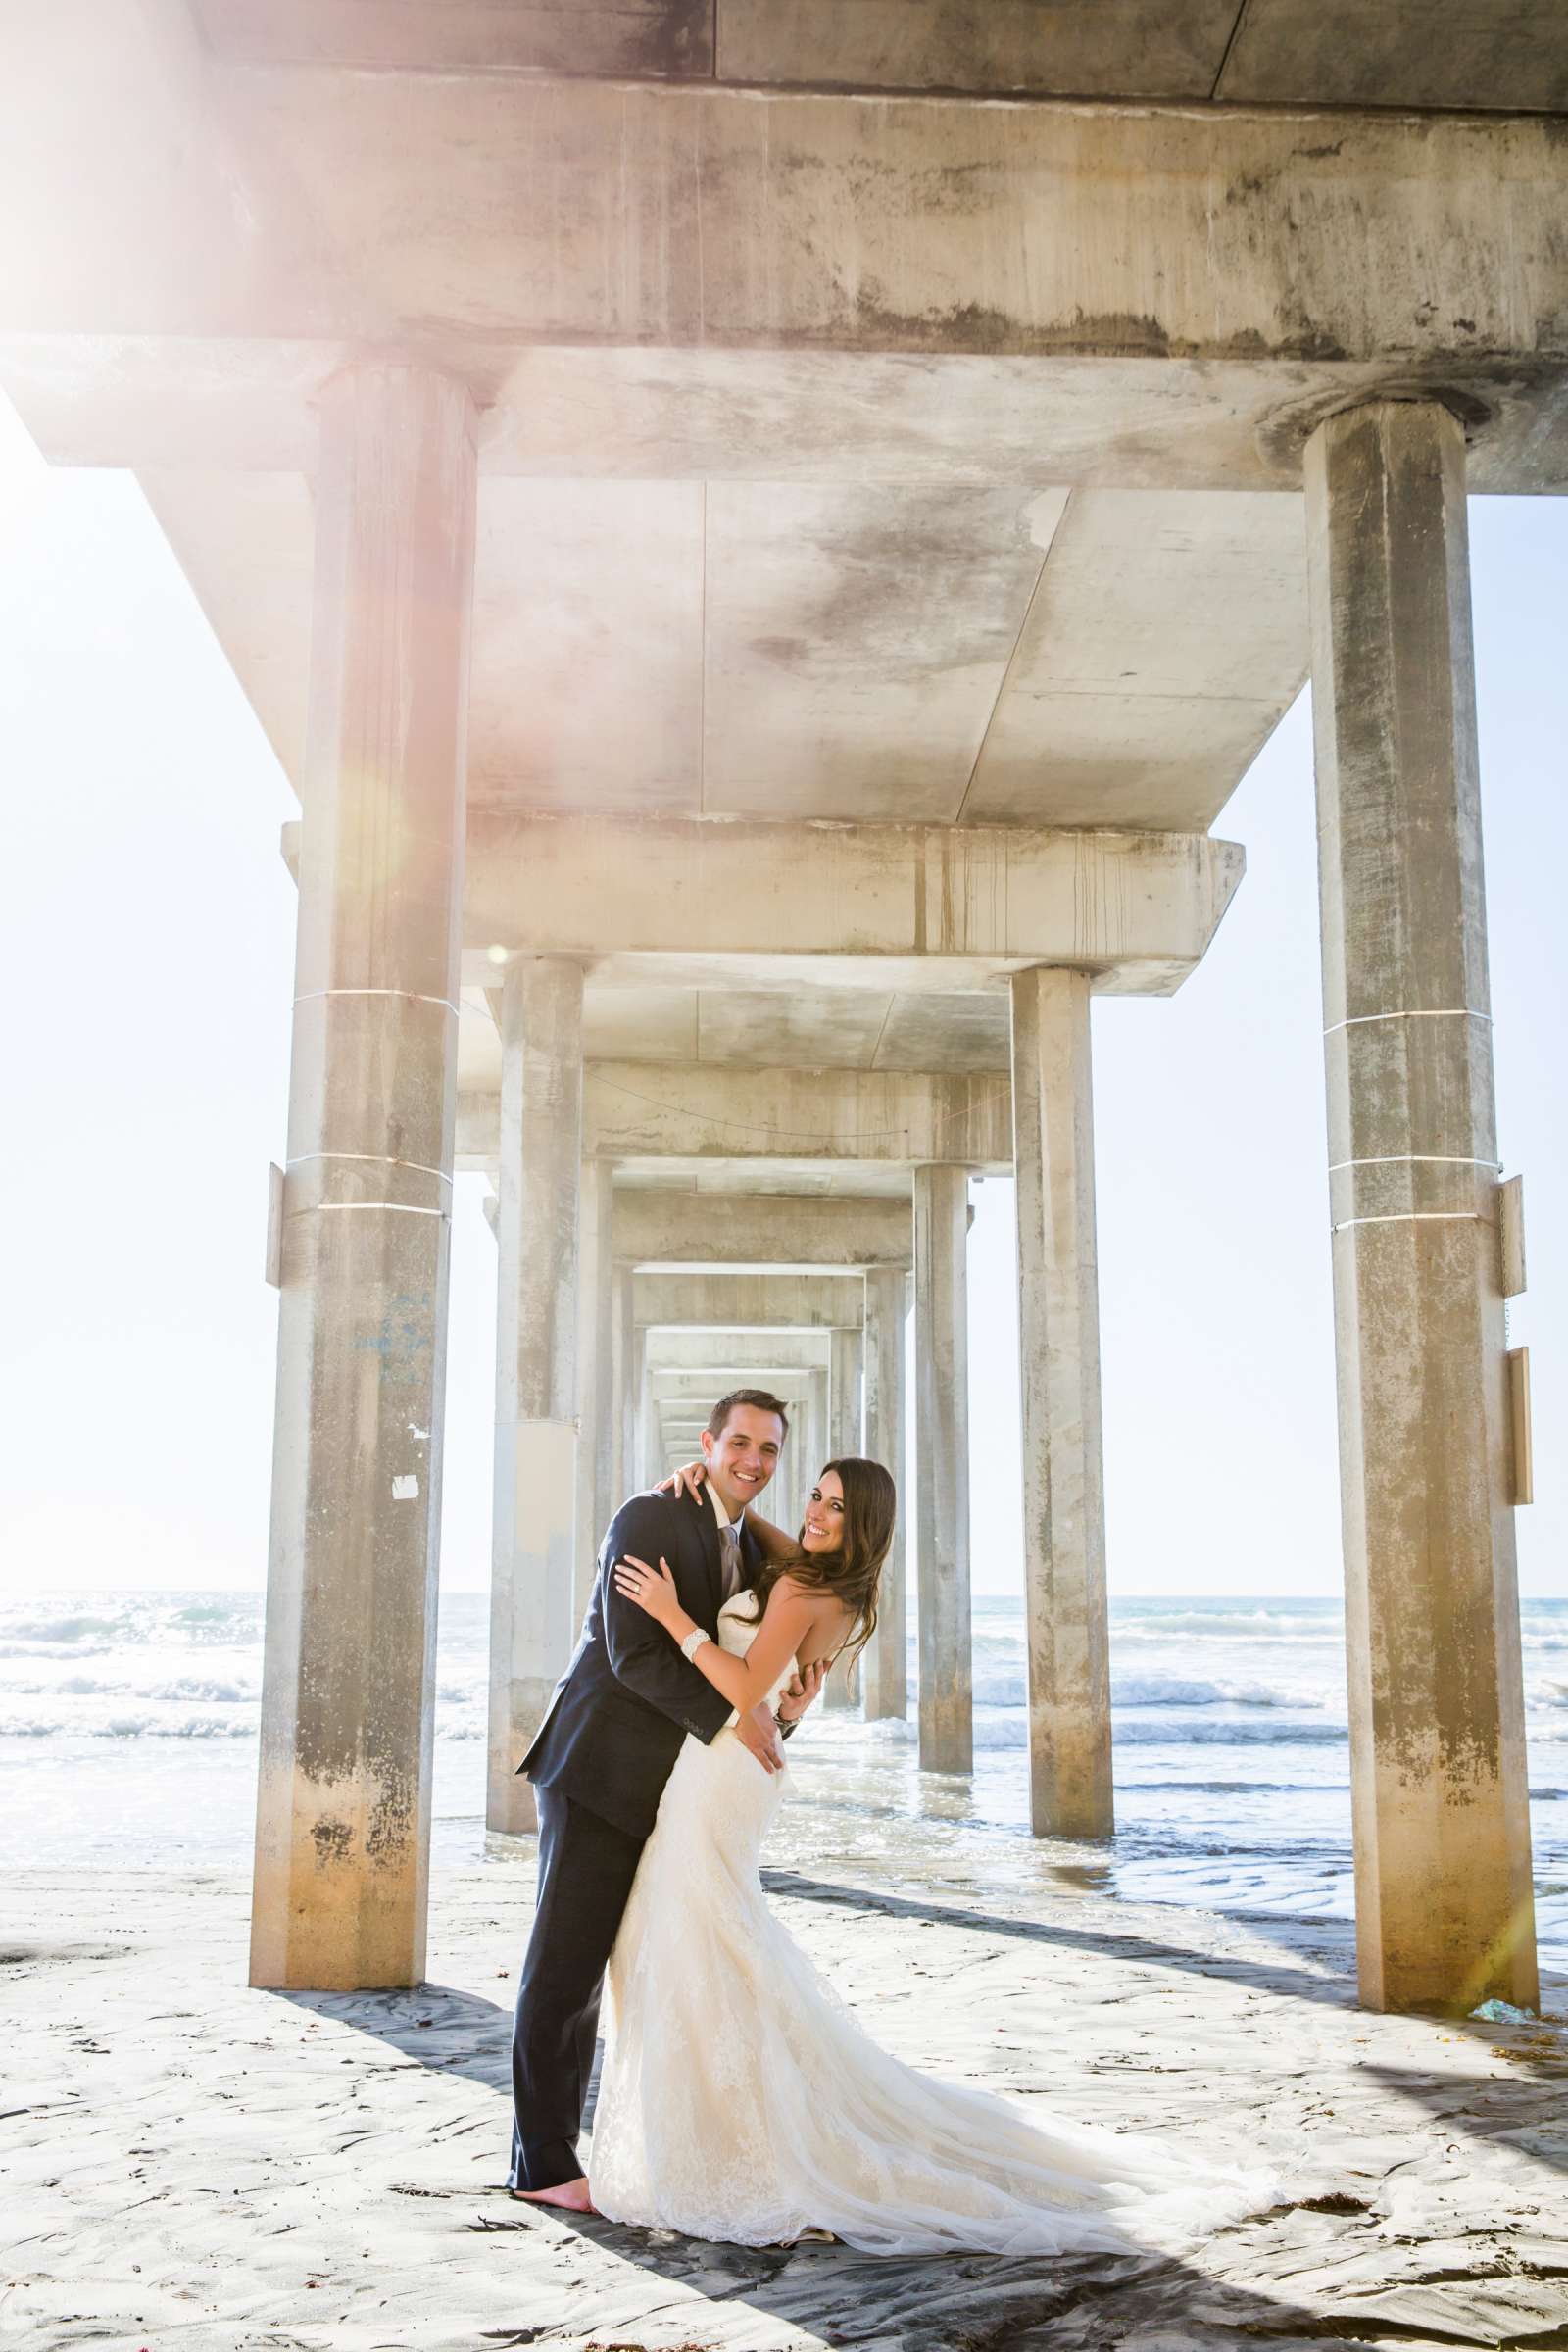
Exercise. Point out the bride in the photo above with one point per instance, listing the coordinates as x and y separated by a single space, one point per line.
738 2098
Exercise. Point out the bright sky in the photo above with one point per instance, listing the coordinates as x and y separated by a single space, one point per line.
148 945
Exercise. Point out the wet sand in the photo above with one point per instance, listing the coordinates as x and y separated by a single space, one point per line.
189 2163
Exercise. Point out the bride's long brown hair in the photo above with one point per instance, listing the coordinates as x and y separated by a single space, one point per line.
854 1572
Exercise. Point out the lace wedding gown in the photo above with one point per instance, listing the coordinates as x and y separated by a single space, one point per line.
740 2100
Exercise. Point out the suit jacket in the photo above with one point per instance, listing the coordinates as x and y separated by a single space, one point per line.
614 1724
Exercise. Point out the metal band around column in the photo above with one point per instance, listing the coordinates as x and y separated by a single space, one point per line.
1422 1159
1451 1012
1416 1216
380 1160
410 996
402 1209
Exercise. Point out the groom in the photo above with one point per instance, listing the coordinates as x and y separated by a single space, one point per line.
599 1764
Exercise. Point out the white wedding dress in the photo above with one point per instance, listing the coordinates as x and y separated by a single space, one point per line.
740 2100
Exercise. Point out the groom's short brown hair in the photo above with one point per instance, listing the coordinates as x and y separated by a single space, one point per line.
758 1398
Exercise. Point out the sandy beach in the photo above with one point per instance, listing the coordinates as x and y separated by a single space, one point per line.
190 2163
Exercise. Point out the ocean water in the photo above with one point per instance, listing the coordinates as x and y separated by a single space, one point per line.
129 1732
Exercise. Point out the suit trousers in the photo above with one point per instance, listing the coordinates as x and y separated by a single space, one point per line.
586 1867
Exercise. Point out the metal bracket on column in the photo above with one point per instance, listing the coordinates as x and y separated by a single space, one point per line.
1523 1468
275 1226
1511 1235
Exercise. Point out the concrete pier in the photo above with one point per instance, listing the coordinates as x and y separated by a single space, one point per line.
942 1465
846 1371
814 1425
623 1361
884 1665
1444 1902
652 1462
845 1436
1059 1347
908 745
595 1400
533 1615
343 1820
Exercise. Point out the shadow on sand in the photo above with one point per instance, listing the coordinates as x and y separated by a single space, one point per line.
1283 1978
1364 2292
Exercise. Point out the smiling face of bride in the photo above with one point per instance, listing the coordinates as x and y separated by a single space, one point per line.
823 1527
844 1540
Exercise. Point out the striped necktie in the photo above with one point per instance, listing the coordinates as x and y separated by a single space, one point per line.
729 1552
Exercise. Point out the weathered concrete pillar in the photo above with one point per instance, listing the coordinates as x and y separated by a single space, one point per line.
643 1437
942 1465
607 1493
845 1436
1444 1915
343 1818
883 1664
815 1422
595 1400
622 1351
532 1613
1058 1349
847 1368
653 1436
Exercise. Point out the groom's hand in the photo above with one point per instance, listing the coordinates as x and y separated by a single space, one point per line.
758 1736
799 1693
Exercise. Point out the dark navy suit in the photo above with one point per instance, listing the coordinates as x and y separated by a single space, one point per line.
598 1764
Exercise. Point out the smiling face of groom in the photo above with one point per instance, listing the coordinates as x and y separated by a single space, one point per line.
742 1455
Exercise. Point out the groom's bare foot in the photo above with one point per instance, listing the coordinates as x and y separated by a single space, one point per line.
571 2195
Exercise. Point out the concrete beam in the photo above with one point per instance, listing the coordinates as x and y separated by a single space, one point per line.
660 38
1293 52
697 1388
647 1115
712 1353
752 1303
596 215
903 1119
757 1232
938 908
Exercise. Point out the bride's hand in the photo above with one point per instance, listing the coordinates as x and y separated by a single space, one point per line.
801 1688
652 1589
687 1480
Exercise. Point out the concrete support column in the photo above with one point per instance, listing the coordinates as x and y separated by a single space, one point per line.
1058 1346
883 1665
847 1366
532 1614
643 1433
622 1349
815 1423
652 1441
607 1421
595 1396
1444 1906
942 1465
343 1820
846 1437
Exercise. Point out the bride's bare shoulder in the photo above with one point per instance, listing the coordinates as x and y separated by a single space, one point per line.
787 1590
824 1604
